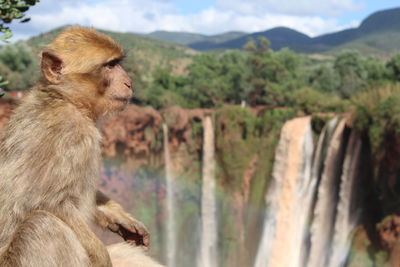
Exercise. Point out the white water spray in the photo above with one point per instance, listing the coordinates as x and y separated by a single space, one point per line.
325 209
170 194
208 249
288 198
347 212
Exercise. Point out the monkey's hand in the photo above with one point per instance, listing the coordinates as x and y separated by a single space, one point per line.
112 216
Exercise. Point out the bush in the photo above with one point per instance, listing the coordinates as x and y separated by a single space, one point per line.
311 101
377 112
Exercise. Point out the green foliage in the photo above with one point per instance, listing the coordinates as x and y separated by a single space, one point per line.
378 112
272 75
18 66
325 78
393 67
311 101
11 10
352 71
166 90
214 80
241 134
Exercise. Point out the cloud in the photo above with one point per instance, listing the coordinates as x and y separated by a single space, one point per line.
214 20
309 16
291 7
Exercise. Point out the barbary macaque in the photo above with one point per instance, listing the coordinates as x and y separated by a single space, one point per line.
50 161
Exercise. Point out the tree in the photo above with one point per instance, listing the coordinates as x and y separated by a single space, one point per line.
272 75
393 67
18 66
11 10
352 71
217 79
256 62
325 78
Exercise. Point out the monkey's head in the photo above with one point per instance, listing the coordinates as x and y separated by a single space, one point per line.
83 66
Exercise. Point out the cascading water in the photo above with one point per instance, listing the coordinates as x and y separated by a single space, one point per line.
321 193
288 198
316 172
208 249
170 194
347 210
327 197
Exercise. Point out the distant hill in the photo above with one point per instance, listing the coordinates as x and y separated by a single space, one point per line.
182 38
214 40
195 39
279 37
378 33
381 21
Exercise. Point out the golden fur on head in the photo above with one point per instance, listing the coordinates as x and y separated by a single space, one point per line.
78 40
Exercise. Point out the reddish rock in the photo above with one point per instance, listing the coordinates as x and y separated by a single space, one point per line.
179 121
389 232
126 132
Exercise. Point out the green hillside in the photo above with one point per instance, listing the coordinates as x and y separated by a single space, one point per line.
183 38
195 40
382 44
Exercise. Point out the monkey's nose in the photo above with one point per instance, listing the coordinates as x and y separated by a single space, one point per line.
129 85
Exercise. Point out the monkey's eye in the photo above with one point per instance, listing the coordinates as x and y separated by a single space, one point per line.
111 64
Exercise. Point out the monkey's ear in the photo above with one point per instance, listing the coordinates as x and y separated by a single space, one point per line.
51 67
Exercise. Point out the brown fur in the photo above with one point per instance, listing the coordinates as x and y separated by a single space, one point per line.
123 255
50 158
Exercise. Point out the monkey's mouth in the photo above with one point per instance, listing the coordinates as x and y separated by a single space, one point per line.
123 100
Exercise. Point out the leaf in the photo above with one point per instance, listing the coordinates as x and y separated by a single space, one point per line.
7 35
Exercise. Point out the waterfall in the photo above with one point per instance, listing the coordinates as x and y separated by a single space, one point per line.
316 171
288 198
347 209
170 194
327 197
321 193
208 249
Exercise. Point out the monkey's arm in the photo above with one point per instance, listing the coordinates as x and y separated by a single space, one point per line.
110 214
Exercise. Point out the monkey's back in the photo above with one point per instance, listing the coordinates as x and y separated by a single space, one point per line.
50 152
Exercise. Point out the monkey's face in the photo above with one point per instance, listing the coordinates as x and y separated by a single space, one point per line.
116 87
84 66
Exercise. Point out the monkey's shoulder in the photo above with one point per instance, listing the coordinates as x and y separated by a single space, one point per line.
51 124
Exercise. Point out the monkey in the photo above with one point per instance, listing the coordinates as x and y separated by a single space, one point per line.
50 160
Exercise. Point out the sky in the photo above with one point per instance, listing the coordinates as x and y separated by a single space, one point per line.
312 17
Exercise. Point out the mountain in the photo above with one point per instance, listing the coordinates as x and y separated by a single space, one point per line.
378 33
279 37
213 40
182 38
381 21
188 38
